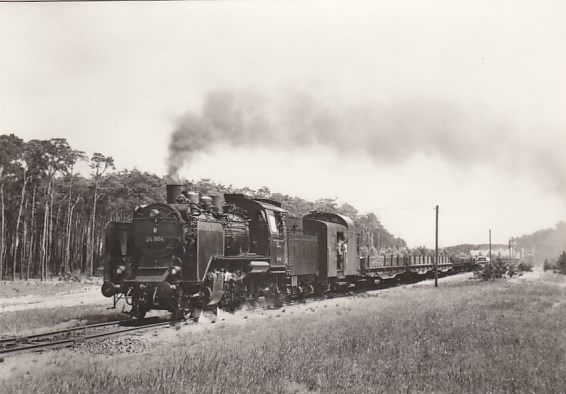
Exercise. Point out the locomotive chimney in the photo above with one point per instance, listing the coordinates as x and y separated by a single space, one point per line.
173 193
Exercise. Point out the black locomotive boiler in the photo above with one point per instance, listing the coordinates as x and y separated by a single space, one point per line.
194 253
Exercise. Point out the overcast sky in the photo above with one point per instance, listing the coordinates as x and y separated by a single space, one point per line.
391 106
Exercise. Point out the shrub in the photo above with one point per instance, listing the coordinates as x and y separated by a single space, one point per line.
524 267
74 276
561 263
496 270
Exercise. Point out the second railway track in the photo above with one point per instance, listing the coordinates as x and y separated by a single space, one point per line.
75 335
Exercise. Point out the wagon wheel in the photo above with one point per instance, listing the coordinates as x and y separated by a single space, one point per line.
275 298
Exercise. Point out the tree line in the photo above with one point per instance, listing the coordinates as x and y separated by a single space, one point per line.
52 218
542 245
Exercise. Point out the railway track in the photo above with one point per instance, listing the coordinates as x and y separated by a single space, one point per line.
72 336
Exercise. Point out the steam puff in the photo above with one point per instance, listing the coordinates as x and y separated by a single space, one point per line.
386 133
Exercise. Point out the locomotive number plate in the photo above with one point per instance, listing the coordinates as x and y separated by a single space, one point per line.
154 238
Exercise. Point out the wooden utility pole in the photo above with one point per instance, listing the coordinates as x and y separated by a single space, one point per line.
436 253
490 245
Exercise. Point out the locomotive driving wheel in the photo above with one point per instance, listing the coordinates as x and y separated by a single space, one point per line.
234 296
179 314
179 306
138 310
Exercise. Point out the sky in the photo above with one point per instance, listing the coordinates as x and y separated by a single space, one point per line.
392 106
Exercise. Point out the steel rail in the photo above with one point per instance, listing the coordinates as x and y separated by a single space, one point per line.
27 338
23 344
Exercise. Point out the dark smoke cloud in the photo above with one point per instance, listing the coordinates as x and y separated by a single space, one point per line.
387 133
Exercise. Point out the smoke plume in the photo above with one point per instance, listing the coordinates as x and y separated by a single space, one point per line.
390 132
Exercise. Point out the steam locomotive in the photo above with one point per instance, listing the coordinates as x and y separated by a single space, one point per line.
195 253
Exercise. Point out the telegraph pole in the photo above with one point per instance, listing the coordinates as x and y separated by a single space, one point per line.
436 253
490 245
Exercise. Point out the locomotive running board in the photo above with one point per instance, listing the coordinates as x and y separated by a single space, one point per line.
258 267
278 269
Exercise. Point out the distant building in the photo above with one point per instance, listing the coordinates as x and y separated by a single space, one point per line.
495 252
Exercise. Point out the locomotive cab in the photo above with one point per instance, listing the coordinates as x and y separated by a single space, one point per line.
267 229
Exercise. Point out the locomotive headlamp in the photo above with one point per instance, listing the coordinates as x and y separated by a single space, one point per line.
153 213
175 270
120 270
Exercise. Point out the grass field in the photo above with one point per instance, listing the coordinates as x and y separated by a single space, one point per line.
466 336
40 320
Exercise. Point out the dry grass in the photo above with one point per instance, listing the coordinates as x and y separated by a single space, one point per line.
463 337
39 320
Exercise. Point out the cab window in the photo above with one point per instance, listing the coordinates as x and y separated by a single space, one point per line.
272 223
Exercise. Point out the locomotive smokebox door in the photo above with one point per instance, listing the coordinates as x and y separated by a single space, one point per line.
156 234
